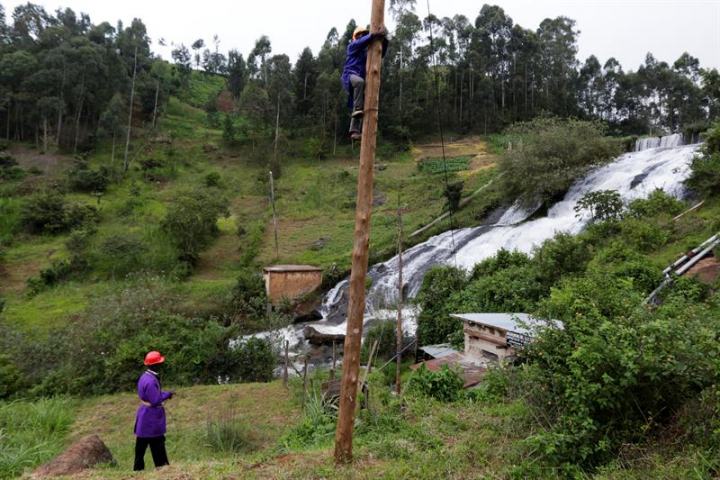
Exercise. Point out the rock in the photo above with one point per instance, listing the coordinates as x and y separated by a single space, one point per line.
379 199
319 244
316 337
380 167
83 454
209 147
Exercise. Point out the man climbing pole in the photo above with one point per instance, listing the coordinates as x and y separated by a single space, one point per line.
353 76
150 417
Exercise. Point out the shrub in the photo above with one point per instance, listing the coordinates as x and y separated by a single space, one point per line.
80 216
657 203
122 254
10 377
564 254
191 221
249 296
44 213
453 194
548 154
445 385
82 178
705 176
256 360
385 333
643 235
212 179
58 271
434 322
602 204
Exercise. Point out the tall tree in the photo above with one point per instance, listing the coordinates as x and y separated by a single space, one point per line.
237 73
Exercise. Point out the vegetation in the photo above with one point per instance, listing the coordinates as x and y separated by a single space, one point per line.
553 153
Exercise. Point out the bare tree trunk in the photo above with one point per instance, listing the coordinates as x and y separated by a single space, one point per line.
7 124
335 134
277 129
45 134
126 163
157 95
79 113
60 108
112 155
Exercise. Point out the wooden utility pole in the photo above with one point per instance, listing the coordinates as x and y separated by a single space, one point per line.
399 333
272 201
356 307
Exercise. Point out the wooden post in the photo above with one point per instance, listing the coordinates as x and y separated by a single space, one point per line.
356 308
334 360
275 227
305 383
285 371
399 333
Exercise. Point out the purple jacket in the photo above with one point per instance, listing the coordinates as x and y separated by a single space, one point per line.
356 60
150 421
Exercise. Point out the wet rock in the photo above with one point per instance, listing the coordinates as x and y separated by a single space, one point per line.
317 337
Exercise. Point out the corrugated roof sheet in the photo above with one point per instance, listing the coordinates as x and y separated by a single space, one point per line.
438 351
292 268
510 322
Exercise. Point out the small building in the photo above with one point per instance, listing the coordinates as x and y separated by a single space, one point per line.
291 281
496 335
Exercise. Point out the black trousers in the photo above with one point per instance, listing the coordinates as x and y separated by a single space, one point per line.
358 86
157 449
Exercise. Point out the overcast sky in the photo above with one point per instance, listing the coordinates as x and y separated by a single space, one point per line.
625 29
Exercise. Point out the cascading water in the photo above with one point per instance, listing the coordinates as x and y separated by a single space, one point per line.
665 165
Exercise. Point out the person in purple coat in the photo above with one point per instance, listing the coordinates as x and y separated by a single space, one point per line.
150 417
353 76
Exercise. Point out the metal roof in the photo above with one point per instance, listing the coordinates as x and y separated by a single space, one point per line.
292 268
438 351
510 322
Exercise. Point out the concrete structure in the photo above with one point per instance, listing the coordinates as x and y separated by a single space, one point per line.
291 281
496 335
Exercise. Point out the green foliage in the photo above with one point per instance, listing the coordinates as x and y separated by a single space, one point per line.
437 165
82 178
10 378
603 205
564 254
549 154
445 385
385 333
191 221
47 212
32 433
248 295
658 203
453 194
212 179
58 271
317 426
229 132
434 322
705 176
256 360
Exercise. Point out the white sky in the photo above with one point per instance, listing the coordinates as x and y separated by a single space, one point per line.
625 29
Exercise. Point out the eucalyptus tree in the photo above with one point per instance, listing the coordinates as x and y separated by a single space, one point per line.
237 73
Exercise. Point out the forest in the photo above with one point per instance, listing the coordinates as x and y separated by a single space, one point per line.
67 81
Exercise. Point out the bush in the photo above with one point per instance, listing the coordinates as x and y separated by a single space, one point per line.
434 322
122 254
82 178
705 176
212 179
453 194
191 221
658 203
445 385
249 296
48 212
385 334
256 360
10 377
58 271
548 154
44 213
564 254
602 204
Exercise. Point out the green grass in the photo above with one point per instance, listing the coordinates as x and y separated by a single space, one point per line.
32 433
201 88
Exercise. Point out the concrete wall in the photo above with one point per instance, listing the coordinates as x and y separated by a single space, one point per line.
483 341
291 285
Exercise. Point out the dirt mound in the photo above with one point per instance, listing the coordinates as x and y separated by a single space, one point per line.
83 454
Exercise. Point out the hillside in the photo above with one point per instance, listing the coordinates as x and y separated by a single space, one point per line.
315 204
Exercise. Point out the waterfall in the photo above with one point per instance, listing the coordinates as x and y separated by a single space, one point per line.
668 141
634 175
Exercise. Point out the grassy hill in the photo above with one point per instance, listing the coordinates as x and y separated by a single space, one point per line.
315 204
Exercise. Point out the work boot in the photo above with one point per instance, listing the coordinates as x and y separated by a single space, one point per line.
357 113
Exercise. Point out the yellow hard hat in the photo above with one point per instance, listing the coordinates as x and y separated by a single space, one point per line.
360 30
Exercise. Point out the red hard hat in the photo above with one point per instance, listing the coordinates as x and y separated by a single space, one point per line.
153 358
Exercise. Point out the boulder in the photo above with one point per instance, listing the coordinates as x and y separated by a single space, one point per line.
318 337
83 454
